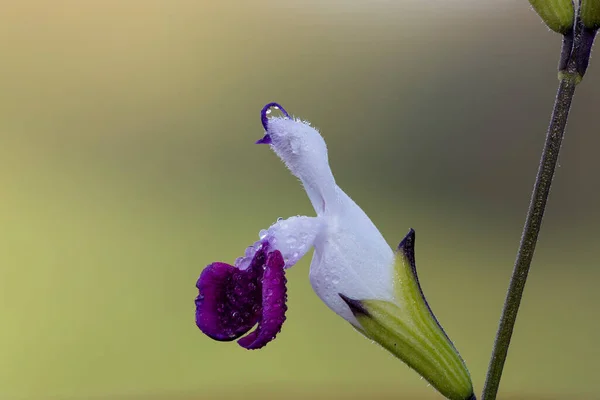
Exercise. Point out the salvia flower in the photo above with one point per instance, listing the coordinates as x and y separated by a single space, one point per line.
353 271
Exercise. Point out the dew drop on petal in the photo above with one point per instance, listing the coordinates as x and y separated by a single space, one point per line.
244 263
275 112
296 146
262 234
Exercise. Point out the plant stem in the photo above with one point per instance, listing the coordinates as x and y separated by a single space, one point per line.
529 238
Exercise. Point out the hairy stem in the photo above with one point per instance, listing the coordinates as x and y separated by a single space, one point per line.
529 237
575 54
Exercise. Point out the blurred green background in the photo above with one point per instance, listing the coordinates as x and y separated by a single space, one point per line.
127 164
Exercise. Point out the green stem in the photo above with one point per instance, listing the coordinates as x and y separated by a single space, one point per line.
529 238
575 55
574 58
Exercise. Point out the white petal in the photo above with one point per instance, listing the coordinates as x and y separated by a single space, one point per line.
303 150
293 237
351 258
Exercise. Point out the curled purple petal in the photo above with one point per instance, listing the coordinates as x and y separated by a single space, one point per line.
229 300
232 300
266 109
273 304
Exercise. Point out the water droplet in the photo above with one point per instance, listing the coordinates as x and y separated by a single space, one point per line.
296 146
275 112
244 263
279 219
295 254
262 234
335 279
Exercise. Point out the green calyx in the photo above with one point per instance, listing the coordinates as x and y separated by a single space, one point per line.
558 15
589 11
409 330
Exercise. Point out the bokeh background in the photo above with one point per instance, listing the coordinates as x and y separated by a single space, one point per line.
127 164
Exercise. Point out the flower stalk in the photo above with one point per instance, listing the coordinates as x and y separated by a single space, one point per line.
575 54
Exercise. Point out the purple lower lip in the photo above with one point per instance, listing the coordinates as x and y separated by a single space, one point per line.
273 304
231 301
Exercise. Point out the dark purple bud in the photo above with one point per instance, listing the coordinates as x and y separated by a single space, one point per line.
267 110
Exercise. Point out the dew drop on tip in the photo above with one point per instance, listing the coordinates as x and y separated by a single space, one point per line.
274 112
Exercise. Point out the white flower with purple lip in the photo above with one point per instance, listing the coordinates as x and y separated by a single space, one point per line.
353 271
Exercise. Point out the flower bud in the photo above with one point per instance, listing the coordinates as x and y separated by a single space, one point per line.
590 13
558 15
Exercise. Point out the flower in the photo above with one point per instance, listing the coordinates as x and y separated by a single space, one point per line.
353 271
